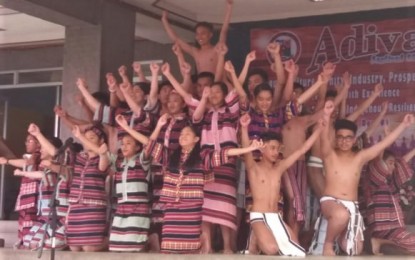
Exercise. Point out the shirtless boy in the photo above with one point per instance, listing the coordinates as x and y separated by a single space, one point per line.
343 167
273 235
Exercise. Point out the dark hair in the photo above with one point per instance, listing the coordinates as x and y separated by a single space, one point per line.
164 84
387 153
98 129
128 135
76 147
222 86
271 136
345 124
194 156
102 97
331 93
56 142
260 72
206 74
298 85
207 25
145 87
263 87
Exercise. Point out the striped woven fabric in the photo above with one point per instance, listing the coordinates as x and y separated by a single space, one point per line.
181 228
130 226
86 225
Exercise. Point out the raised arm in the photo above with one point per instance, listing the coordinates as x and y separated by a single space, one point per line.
328 70
225 27
236 84
185 68
292 70
221 49
89 99
88 145
44 143
290 160
153 96
245 120
160 123
165 69
20 163
136 135
199 113
89 114
113 89
173 36
250 57
362 108
139 72
312 90
376 123
274 49
409 155
325 144
373 151
104 160
126 89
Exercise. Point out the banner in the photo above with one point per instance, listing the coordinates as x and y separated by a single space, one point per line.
372 52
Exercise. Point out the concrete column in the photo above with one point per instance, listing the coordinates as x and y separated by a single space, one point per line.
90 51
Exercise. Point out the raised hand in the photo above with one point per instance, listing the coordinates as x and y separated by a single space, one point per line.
229 67
137 67
33 129
165 68
328 69
347 79
122 70
206 93
176 49
185 68
245 120
103 149
163 119
59 111
154 68
409 119
274 48
76 131
120 119
81 83
125 87
257 144
250 57
221 49
378 88
111 82
291 67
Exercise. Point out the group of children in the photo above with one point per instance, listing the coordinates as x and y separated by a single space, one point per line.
159 167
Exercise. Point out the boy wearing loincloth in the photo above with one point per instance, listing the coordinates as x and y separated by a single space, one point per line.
343 167
273 235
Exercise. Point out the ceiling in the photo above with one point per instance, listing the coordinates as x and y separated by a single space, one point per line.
21 29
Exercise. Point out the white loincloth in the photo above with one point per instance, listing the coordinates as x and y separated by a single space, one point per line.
274 223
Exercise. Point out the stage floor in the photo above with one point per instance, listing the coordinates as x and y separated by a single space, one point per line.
10 254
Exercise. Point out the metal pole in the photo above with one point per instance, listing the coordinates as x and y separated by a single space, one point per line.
2 173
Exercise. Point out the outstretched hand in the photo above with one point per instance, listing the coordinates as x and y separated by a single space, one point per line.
33 129
121 121
245 120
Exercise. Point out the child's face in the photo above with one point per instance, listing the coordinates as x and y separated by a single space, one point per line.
345 139
164 93
217 96
175 104
253 81
390 163
129 146
263 101
32 145
188 138
271 151
93 137
203 35
138 94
